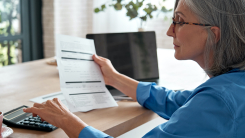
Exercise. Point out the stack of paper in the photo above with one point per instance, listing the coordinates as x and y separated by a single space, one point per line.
81 80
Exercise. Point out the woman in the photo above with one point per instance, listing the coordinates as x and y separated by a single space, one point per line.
210 32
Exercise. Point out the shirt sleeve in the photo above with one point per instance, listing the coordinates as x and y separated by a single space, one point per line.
90 132
206 115
160 100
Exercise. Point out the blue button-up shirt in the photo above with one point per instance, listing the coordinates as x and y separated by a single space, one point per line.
215 109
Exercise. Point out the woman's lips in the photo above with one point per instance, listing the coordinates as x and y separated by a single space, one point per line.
176 46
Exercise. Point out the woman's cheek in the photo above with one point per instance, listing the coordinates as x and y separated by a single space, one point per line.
180 38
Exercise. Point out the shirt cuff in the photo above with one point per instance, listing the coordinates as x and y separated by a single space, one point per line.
90 132
143 92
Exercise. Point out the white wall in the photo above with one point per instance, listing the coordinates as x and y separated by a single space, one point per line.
48 28
111 20
68 17
73 17
77 18
116 21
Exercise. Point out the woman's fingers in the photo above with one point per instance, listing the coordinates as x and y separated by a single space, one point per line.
38 105
96 59
35 111
102 58
51 111
99 60
59 103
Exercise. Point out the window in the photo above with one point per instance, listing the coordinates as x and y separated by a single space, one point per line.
20 31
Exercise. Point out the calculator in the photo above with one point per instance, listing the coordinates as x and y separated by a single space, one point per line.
18 118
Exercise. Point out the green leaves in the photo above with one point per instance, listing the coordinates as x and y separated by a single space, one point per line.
144 18
151 8
118 6
96 10
133 9
165 10
102 8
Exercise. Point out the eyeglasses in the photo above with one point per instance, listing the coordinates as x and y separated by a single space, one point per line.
189 23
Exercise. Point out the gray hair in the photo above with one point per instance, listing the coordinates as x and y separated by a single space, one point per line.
229 15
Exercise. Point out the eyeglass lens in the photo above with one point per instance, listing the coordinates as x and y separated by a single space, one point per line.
175 19
173 24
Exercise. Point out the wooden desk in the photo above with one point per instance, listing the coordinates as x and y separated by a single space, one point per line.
21 82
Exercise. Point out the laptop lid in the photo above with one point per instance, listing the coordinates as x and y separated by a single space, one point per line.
133 54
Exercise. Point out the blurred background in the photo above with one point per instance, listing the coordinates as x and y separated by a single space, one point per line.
28 27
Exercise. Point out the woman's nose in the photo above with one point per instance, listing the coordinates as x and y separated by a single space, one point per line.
170 31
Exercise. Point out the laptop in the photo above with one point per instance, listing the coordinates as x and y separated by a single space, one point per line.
133 54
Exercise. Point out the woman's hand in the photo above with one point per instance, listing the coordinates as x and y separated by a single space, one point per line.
108 71
121 82
55 113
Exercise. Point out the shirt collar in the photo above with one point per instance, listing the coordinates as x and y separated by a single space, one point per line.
235 70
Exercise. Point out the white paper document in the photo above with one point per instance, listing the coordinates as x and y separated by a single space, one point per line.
50 96
81 80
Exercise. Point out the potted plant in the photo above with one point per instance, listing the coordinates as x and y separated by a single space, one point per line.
133 9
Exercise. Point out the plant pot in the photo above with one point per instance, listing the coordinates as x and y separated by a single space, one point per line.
141 29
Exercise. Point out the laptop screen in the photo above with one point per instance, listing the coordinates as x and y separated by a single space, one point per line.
132 54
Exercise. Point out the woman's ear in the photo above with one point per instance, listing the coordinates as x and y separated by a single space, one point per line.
216 31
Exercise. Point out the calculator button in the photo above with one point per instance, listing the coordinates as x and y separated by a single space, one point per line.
37 124
32 123
48 125
45 122
26 122
42 125
31 120
37 120
26 119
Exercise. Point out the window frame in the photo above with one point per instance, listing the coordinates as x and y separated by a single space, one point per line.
31 30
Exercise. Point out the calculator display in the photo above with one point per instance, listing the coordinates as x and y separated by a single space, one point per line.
14 114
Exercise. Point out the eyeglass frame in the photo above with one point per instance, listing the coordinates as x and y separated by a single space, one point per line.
189 23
